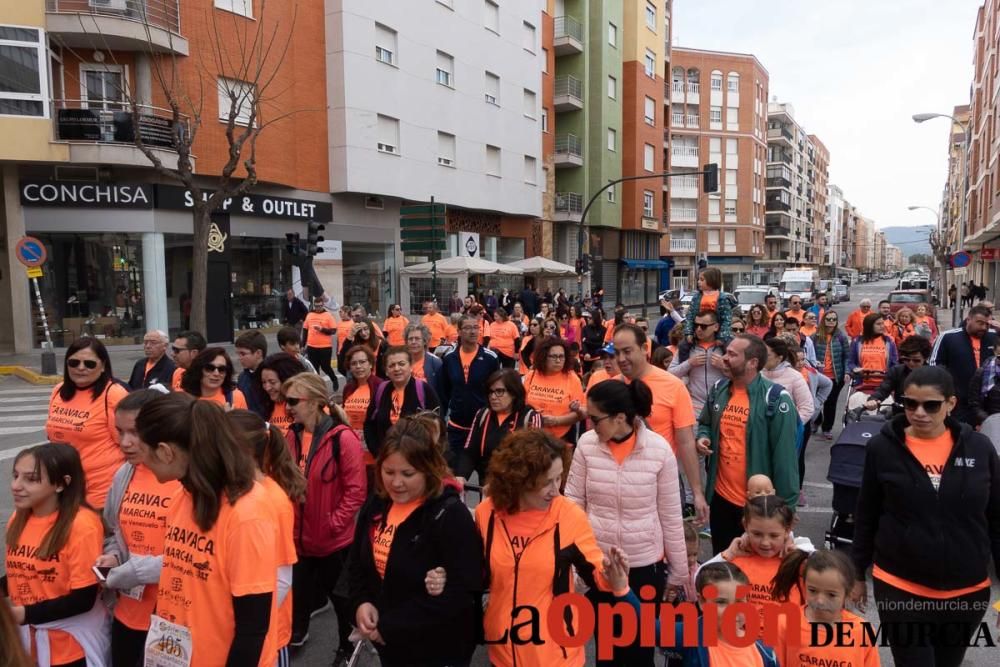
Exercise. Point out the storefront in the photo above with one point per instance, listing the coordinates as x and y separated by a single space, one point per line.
120 258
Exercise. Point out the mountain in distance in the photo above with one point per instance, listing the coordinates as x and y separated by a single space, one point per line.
911 240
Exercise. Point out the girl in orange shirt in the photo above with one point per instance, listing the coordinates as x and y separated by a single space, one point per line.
826 579
285 485
553 390
394 325
210 378
53 539
505 338
273 372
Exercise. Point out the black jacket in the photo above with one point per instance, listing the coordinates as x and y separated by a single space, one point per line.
421 630
892 384
293 312
981 407
162 372
377 422
941 539
486 434
465 398
954 351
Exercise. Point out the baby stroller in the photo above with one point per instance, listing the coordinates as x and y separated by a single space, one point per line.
847 464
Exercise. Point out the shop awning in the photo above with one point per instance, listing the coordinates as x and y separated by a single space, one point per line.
543 266
654 264
459 265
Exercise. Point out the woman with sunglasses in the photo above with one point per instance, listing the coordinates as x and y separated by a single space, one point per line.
400 395
757 322
394 326
926 523
328 452
274 371
738 326
809 323
210 378
832 349
82 414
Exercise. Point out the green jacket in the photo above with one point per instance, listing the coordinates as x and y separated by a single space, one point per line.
770 441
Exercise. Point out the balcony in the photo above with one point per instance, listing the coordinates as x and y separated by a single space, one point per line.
683 245
675 92
693 90
569 206
781 133
677 119
106 135
684 187
568 36
775 204
117 25
683 156
777 230
691 121
679 214
568 152
778 182
568 94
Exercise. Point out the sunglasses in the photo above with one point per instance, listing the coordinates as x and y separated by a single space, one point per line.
178 350
738 329
293 401
212 368
930 407
699 325
90 364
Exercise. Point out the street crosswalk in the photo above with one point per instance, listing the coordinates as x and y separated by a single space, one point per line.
23 408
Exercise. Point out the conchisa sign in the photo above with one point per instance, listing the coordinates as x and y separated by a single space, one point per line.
67 194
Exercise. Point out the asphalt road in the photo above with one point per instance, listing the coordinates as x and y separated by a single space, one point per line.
22 417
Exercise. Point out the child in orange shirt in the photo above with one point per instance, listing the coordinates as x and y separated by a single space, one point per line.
826 578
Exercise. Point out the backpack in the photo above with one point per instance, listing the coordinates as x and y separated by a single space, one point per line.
421 393
773 396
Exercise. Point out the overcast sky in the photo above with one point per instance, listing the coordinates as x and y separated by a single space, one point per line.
855 71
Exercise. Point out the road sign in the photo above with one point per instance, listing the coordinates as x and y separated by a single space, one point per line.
437 222
961 259
989 254
411 246
30 251
34 271
420 234
425 210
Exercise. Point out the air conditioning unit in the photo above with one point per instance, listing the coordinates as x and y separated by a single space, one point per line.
445 162
387 148
374 203
110 5
491 99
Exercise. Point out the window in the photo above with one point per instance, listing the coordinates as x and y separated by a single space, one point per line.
545 60
529 37
733 82
23 92
612 139
385 44
545 120
647 203
648 157
241 7
529 103
238 94
446 149
713 209
492 88
651 16
388 135
730 237
492 160
716 80
713 240
650 111
530 167
612 87
730 178
730 147
492 19
612 34
650 64
732 118
611 195
730 207
445 67
715 114
103 87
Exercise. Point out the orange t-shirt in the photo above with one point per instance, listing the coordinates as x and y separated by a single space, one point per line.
204 570
760 571
846 655
451 334
417 368
609 331
551 394
731 479
396 409
394 327
175 381
356 406
709 301
976 344
88 424
284 516
797 314
807 331
467 358
318 339
382 539
621 450
828 358
724 655
672 407
502 337
239 400
306 439
596 376
31 580
343 332
438 325
281 418
141 518
149 366
520 527
873 357
576 324
485 330
855 323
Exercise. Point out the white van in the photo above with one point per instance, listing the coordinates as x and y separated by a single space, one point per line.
802 283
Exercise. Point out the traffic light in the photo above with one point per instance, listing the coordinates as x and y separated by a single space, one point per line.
710 179
586 264
293 247
313 239
702 261
579 266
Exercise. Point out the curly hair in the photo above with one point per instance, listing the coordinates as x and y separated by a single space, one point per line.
522 458
191 380
540 357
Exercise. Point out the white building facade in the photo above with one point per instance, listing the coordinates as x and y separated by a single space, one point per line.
834 227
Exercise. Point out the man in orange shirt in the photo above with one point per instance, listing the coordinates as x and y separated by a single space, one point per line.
855 320
771 306
435 323
795 308
186 347
673 415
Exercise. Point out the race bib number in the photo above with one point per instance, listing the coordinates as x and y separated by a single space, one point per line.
135 593
167 644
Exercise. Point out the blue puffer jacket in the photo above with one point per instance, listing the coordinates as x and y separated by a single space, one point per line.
841 348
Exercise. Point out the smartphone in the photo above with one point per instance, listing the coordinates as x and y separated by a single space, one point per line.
101 572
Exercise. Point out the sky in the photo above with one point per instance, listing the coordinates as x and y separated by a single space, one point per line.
855 71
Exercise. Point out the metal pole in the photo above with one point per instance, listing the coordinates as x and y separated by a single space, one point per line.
434 253
48 355
956 317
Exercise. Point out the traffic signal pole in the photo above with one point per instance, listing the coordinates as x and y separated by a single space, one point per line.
710 184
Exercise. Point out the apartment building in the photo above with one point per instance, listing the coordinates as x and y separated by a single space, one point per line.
433 99
833 255
893 258
818 172
117 233
728 127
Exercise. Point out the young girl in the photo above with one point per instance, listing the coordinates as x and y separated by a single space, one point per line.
827 578
710 297
217 586
284 484
53 540
768 522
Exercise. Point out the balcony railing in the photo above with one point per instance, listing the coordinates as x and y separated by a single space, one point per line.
569 86
678 214
569 144
684 151
693 87
683 245
111 123
692 120
677 87
777 230
778 182
776 205
567 26
569 202
677 119
155 13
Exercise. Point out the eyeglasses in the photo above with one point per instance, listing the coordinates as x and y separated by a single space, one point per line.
90 364
500 391
471 329
359 362
930 407
178 350
557 357
293 400
597 420
738 329
213 368
701 325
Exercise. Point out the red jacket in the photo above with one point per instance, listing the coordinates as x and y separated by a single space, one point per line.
336 487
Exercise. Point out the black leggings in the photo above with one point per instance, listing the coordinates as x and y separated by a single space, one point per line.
726 522
634 655
929 633
830 405
806 432
320 358
128 646
313 583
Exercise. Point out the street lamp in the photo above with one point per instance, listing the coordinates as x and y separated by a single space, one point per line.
935 251
956 317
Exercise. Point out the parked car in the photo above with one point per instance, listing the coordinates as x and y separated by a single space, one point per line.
911 298
841 293
748 295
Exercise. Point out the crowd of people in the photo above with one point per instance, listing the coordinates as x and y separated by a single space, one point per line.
193 516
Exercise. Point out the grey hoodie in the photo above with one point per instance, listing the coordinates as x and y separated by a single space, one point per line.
133 570
700 379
